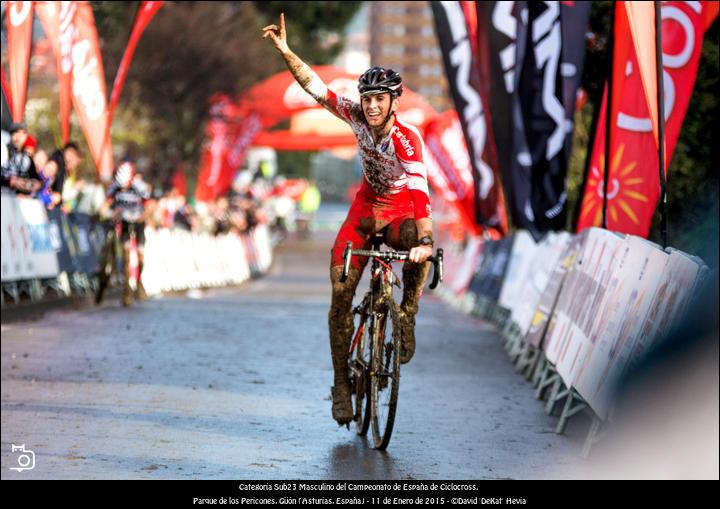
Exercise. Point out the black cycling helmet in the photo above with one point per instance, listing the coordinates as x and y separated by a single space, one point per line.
379 79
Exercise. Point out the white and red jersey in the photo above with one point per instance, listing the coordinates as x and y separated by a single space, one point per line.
393 164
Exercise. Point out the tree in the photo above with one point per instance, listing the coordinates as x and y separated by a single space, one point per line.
192 50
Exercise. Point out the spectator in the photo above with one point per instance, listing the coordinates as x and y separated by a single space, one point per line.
222 216
40 159
48 174
30 147
18 172
67 182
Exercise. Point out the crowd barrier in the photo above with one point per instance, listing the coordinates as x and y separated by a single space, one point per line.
46 251
576 311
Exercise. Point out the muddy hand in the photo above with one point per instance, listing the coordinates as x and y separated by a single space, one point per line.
277 34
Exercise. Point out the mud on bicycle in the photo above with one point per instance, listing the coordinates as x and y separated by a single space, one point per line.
374 360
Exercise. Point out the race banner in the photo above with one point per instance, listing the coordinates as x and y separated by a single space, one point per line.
449 167
58 22
88 89
146 12
633 171
455 35
215 176
6 101
531 56
19 42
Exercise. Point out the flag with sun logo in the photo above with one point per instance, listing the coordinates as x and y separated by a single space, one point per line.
633 184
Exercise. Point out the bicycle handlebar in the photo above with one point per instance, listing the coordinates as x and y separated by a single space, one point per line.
436 260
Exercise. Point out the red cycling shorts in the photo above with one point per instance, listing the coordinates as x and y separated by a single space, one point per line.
371 213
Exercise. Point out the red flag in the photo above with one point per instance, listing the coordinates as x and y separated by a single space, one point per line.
215 174
633 178
19 28
178 179
640 17
88 89
58 21
145 14
449 167
7 98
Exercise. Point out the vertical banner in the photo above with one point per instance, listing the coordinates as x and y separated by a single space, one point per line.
145 14
633 173
461 70
215 173
6 101
58 21
531 56
449 167
88 89
574 17
19 41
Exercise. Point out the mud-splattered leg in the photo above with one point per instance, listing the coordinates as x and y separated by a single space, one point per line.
340 325
403 235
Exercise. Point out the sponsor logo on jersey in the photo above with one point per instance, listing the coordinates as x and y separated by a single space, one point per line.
409 150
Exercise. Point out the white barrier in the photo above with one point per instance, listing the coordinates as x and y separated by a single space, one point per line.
603 356
179 260
550 295
537 279
27 250
523 252
594 303
585 283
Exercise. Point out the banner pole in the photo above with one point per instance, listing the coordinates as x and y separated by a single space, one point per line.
661 123
608 114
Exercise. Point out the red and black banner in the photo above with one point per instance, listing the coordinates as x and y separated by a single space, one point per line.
455 28
514 69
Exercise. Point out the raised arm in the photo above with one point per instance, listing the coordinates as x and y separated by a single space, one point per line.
308 79
303 74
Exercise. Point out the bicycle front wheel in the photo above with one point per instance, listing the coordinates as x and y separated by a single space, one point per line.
385 376
359 379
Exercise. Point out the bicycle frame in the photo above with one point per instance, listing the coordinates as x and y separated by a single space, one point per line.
377 307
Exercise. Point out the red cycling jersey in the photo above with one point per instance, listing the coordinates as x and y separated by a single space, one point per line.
392 165
394 191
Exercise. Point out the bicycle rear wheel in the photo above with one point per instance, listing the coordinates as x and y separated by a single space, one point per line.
385 376
107 260
359 380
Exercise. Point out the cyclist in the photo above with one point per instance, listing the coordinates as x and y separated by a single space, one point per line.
126 198
393 198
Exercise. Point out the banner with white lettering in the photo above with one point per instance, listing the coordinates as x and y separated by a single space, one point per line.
461 67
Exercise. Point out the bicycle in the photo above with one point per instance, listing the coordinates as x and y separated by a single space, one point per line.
108 260
374 361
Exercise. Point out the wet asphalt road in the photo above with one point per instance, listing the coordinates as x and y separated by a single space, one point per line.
234 383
